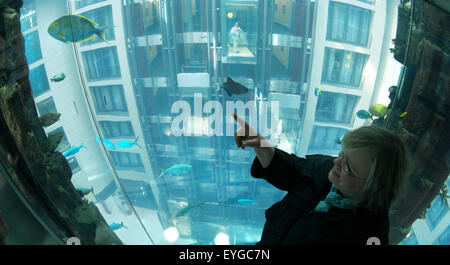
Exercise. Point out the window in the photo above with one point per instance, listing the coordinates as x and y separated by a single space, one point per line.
335 107
74 165
323 140
116 129
348 24
28 15
38 80
101 64
32 47
45 106
343 67
109 99
82 3
64 144
103 17
127 161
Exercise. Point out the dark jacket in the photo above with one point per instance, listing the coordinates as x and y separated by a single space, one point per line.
292 221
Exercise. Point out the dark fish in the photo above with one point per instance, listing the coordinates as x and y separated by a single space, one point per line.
188 208
363 114
49 118
232 87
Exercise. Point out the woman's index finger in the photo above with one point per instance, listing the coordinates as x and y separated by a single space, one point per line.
239 120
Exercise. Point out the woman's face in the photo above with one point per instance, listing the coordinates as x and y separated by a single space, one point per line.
349 172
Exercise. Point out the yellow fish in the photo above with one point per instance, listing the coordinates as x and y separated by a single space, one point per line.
403 114
76 28
378 110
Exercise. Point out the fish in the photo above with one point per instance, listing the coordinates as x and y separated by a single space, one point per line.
73 150
403 114
58 77
245 201
49 118
115 226
176 170
378 110
188 208
106 142
363 114
232 87
318 91
128 144
85 191
76 28
339 140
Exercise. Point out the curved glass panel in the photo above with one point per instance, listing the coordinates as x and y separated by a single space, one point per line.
146 118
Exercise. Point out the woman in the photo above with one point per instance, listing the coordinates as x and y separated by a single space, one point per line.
343 200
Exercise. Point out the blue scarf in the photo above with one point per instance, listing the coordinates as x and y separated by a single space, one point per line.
334 199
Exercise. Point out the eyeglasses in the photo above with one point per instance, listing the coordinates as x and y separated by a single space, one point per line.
346 167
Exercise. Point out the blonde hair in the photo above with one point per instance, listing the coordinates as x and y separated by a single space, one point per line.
390 165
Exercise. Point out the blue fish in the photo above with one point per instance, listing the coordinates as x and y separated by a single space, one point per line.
115 226
176 170
363 114
106 142
318 91
73 150
245 201
84 191
128 144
